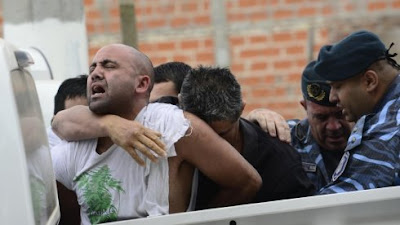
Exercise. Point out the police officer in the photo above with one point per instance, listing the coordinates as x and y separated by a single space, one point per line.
321 137
364 82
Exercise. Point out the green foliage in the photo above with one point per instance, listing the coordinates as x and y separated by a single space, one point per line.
96 185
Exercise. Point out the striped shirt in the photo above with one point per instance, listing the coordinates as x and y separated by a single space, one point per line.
371 158
312 160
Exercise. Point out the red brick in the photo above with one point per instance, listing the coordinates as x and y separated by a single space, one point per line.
234 41
180 58
164 9
294 1
295 50
349 7
93 14
190 7
179 22
264 92
114 12
327 10
158 60
230 4
396 4
257 16
259 52
206 5
115 26
283 105
155 23
146 47
100 28
284 64
140 25
258 39
259 66
87 3
269 79
90 28
92 51
237 16
307 11
272 2
237 67
283 14
209 43
252 106
301 35
278 37
205 56
324 33
202 20
167 46
374 6
294 77
301 63
247 3
190 44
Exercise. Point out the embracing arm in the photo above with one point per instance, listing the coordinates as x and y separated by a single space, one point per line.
78 123
217 159
271 122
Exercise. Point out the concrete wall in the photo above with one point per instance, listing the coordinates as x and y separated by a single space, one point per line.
266 43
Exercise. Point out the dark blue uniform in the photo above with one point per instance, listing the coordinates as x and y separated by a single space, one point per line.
371 158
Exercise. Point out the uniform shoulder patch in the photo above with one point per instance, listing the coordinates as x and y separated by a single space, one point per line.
342 166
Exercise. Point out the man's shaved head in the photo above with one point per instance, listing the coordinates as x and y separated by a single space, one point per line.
141 64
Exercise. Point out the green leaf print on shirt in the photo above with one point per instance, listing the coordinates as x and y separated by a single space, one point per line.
96 184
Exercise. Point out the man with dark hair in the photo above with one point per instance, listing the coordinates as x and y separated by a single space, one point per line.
71 92
214 95
364 82
168 78
109 184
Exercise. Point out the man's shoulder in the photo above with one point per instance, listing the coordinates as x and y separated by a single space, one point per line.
267 147
73 147
167 119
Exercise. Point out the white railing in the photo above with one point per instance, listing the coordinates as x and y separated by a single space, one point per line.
371 207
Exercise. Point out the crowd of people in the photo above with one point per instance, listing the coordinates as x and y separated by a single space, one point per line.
130 141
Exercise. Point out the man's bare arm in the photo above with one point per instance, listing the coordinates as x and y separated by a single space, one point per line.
271 122
218 160
78 123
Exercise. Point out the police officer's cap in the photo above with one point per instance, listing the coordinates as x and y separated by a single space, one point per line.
314 87
350 56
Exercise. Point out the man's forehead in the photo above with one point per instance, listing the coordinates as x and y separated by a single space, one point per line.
321 109
113 53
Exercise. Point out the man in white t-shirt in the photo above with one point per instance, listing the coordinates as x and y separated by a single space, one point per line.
109 184
71 92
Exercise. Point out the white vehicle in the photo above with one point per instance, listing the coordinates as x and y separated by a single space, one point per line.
28 192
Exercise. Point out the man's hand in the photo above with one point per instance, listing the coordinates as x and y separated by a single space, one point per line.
133 136
271 122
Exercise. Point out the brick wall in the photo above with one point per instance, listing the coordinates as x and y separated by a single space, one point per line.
270 41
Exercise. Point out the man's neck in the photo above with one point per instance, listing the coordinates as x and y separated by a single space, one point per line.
236 140
104 143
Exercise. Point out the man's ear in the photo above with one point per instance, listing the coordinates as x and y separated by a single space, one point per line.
243 106
143 82
179 97
304 104
370 80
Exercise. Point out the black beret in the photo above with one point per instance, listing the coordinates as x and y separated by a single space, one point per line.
350 56
314 87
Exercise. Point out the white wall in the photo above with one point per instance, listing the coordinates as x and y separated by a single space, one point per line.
46 90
